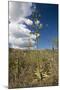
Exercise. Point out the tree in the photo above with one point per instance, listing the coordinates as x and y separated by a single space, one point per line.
37 26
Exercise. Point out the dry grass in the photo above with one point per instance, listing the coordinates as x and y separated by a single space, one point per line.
33 68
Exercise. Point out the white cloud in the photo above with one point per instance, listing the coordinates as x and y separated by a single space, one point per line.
19 30
19 34
25 20
19 9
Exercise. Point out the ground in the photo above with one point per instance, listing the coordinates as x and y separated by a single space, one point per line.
33 68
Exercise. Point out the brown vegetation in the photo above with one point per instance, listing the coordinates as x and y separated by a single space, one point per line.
32 68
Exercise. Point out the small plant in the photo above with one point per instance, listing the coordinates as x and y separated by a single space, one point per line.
37 73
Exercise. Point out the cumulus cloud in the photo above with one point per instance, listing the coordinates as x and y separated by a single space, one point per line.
18 30
19 35
24 20
19 9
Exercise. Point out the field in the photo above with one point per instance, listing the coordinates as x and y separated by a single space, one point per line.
33 68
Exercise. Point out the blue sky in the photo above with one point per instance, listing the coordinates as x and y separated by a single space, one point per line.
49 16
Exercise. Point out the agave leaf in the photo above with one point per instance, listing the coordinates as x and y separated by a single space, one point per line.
37 73
45 75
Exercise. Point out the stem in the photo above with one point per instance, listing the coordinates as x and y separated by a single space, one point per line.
53 50
18 74
38 64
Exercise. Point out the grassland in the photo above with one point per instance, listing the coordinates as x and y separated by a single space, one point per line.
33 68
